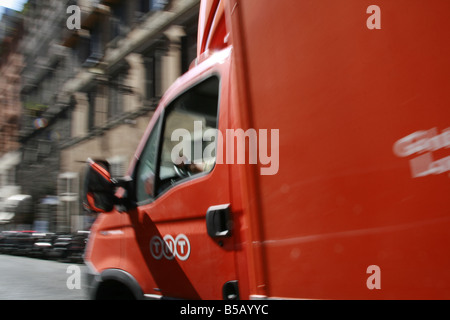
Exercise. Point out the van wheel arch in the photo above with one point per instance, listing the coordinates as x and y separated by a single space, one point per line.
116 284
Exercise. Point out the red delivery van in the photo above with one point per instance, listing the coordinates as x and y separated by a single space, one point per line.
305 154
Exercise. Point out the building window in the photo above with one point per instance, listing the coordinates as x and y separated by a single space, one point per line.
11 177
188 48
117 166
120 20
153 73
152 5
68 206
115 107
158 5
95 48
44 148
29 155
82 49
91 95
144 6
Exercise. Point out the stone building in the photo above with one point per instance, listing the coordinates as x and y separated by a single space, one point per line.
90 90
11 63
129 52
46 117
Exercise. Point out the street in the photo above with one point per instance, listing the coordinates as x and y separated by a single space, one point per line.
23 278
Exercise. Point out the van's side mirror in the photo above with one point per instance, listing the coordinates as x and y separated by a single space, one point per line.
99 187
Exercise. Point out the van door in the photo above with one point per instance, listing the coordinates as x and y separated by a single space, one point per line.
183 220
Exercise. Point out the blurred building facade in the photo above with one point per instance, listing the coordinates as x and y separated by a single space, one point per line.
46 118
11 63
90 91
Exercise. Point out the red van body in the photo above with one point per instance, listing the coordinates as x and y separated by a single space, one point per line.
354 99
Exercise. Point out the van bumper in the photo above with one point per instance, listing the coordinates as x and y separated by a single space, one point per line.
92 280
95 279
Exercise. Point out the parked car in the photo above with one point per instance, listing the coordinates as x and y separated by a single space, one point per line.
43 245
17 242
2 240
70 247
7 240
76 248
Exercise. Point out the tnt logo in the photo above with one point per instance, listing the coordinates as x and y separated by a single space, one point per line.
170 247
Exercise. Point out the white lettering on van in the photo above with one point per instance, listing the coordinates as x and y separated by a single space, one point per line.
421 144
258 147
170 247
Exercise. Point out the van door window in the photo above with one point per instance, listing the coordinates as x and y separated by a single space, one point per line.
145 173
189 140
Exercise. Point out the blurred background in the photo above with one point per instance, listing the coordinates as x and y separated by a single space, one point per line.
76 84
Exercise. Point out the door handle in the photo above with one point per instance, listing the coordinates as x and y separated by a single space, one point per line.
218 221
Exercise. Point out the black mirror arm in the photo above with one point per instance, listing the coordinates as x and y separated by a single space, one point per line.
123 196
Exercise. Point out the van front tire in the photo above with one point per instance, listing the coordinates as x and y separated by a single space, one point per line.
113 284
